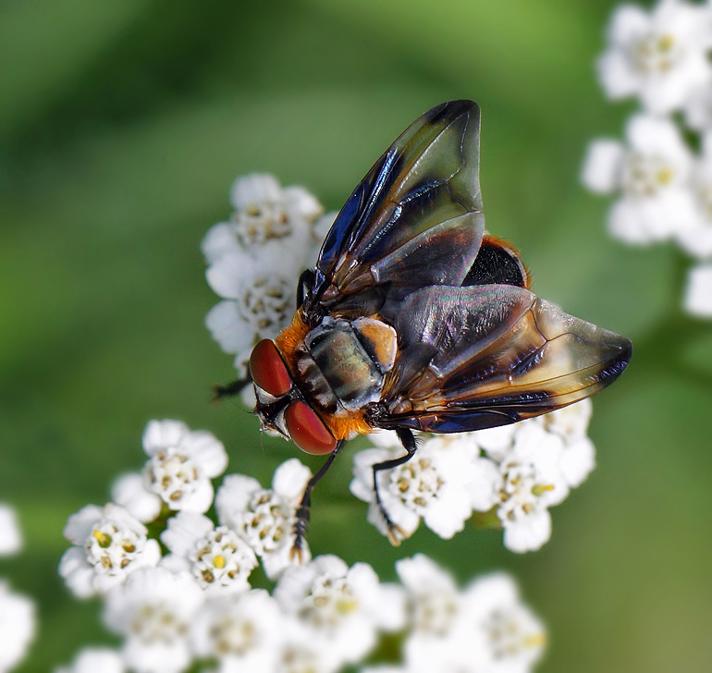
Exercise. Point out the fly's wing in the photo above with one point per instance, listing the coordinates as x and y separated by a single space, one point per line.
477 357
415 220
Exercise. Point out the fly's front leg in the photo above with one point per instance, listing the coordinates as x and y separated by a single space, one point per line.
302 515
395 533
220 392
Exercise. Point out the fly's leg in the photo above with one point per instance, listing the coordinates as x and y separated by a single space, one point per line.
395 533
302 516
306 280
220 392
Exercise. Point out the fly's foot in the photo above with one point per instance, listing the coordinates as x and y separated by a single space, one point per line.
394 532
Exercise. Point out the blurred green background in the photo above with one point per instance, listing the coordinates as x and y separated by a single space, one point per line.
122 125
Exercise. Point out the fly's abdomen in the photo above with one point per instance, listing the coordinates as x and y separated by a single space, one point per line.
343 363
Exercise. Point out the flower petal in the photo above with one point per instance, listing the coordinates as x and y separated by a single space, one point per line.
602 166
207 451
10 536
528 533
276 562
79 525
616 75
578 461
627 23
130 492
448 513
302 203
198 501
698 293
162 434
219 241
290 479
253 189
233 497
229 328
79 577
184 530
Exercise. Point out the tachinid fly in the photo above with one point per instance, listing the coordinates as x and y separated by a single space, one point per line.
416 319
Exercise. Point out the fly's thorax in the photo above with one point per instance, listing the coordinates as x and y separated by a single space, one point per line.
341 364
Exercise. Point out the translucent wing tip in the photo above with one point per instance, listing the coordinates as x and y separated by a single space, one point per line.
581 353
452 109
446 113
616 353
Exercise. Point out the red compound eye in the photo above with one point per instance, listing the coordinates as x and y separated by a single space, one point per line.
307 430
268 369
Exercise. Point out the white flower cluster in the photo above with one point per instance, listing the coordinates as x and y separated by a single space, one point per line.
512 474
255 259
484 628
177 586
173 493
662 171
17 612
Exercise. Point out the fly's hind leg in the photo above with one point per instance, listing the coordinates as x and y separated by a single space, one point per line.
395 533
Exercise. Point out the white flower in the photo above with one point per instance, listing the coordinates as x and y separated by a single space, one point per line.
178 472
698 294
265 517
218 558
260 300
298 654
434 606
537 461
153 611
531 482
109 545
10 536
433 600
243 633
265 213
17 627
95 660
495 626
341 608
697 240
659 56
651 173
255 261
483 629
435 485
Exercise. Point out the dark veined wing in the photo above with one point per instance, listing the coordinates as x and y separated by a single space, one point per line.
415 219
479 357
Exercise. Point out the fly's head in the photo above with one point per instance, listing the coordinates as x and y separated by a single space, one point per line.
281 407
